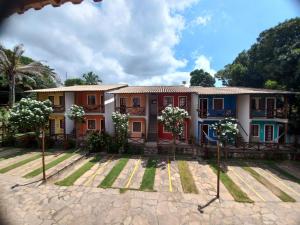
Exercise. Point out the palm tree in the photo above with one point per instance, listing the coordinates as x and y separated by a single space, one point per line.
13 70
91 78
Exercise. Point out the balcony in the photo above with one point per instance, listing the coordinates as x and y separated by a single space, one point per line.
216 113
133 111
58 108
280 113
94 108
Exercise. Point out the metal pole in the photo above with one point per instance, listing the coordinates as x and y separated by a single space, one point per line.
43 154
218 168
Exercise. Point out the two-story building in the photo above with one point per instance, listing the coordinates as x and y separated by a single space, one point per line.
98 105
262 114
145 103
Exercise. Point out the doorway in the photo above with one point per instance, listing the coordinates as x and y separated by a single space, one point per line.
270 107
203 102
51 126
281 134
204 130
269 133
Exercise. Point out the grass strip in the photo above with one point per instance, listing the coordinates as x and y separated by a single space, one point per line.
70 180
275 190
186 178
49 165
13 154
20 163
114 173
149 176
232 187
283 172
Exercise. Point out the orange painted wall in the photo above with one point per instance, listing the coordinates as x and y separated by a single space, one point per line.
81 97
131 96
83 127
137 134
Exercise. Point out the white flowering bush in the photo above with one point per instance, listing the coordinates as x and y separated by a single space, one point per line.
121 123
76 113
30 114
173 119
226 130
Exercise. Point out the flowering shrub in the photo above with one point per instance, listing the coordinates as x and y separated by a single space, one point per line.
30 114
121 123
76 113
226 130
173 120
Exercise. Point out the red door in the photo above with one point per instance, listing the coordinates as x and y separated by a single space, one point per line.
268 133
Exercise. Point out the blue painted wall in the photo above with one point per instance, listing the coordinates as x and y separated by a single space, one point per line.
229 104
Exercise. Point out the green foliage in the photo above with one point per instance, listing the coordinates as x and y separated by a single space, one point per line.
201 78
91 78
226 130
97 142
74 81
273 84
275 57
173 119
121 122
76 113
30 114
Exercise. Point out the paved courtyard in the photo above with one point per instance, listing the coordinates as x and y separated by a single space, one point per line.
84 202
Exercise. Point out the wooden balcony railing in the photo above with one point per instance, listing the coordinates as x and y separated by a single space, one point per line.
58 108
94 108
216 113
134 111
276 113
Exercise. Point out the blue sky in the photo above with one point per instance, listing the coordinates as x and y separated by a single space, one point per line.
233 27
149 42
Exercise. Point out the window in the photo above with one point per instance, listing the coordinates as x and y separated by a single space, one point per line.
168 100
255 130
91 100
51 98
61 100
136 102
61 124
182 102
91 124
136 127
218 103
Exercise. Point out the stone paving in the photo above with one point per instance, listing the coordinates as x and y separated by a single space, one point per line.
138 176
50 204
15 159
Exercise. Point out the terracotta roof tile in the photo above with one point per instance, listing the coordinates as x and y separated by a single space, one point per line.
102 87
152 89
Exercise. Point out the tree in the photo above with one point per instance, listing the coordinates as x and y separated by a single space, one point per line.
77 114
173 120
226 131
275 57
201 78
13 70
91 78
34 115
121 122
273 84
74 81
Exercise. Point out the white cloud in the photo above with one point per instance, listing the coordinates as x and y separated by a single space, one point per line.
202 20
123 41
202 62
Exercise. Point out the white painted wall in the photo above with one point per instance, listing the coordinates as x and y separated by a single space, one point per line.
109 103
243 114
194 116
69 101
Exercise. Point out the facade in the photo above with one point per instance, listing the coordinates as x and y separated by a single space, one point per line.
145 103
262 114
